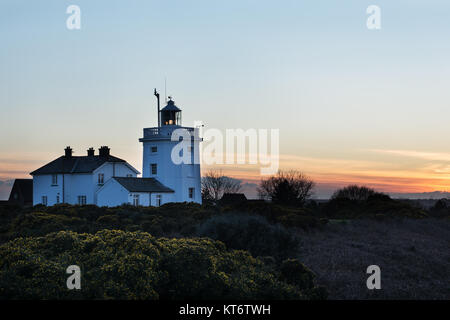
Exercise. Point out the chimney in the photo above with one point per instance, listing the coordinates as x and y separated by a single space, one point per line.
68 152
91 152
104 151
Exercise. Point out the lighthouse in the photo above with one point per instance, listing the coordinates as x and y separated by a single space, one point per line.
158 161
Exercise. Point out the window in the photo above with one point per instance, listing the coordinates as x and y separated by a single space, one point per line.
135 200
57 199
101 178
81 200
191 193
54 179
44 200
129 175
154 149
154 168
158 200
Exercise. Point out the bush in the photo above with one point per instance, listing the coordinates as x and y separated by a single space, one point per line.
291 188
134 265
167 220
250 232
295 273
287 216
440 209
376 205
354 193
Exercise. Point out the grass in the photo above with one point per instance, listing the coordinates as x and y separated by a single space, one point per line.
414 257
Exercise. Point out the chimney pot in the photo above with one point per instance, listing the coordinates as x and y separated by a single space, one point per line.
104 151
91 152
68 152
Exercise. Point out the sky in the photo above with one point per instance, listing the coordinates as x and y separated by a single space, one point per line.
353 105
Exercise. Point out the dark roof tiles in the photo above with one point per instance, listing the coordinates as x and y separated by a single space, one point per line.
142 184
85 164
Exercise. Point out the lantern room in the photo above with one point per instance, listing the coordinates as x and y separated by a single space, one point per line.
170 114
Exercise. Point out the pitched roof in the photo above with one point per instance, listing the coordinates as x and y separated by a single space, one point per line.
75 164
142 184
22 191
231 198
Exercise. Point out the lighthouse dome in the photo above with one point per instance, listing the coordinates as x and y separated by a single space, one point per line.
170 114
171 106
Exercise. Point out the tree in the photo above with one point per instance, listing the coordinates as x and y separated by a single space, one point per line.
354 192
215 184
287 187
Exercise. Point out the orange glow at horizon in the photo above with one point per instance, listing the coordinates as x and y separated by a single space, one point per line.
383 176
397 171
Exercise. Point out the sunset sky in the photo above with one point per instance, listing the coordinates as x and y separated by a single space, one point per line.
352 105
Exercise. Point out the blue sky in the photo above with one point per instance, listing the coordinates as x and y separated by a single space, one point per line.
351 104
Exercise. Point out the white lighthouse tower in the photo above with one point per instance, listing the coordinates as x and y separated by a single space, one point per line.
183 178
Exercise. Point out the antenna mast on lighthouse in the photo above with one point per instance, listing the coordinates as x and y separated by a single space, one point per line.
159 113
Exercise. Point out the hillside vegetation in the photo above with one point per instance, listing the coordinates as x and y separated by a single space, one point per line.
252 250
135 265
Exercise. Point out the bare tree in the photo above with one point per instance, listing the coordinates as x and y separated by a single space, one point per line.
287 187
231 185
215 184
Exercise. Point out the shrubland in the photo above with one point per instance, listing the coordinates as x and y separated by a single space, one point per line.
248 250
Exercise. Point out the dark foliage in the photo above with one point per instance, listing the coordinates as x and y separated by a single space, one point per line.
252 233
362 202
354 192
440 209
172 219
291 188
134 265
304 218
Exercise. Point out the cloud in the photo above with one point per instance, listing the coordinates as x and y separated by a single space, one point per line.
432 156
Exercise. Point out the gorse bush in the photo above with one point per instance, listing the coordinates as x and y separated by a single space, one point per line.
171 219
135 265
250 232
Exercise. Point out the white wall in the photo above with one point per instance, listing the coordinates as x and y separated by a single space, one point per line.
165 198
42 186
177 177
109 170
113 194
78 185
75 185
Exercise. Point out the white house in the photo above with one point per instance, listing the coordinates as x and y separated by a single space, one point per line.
77 179
106 180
